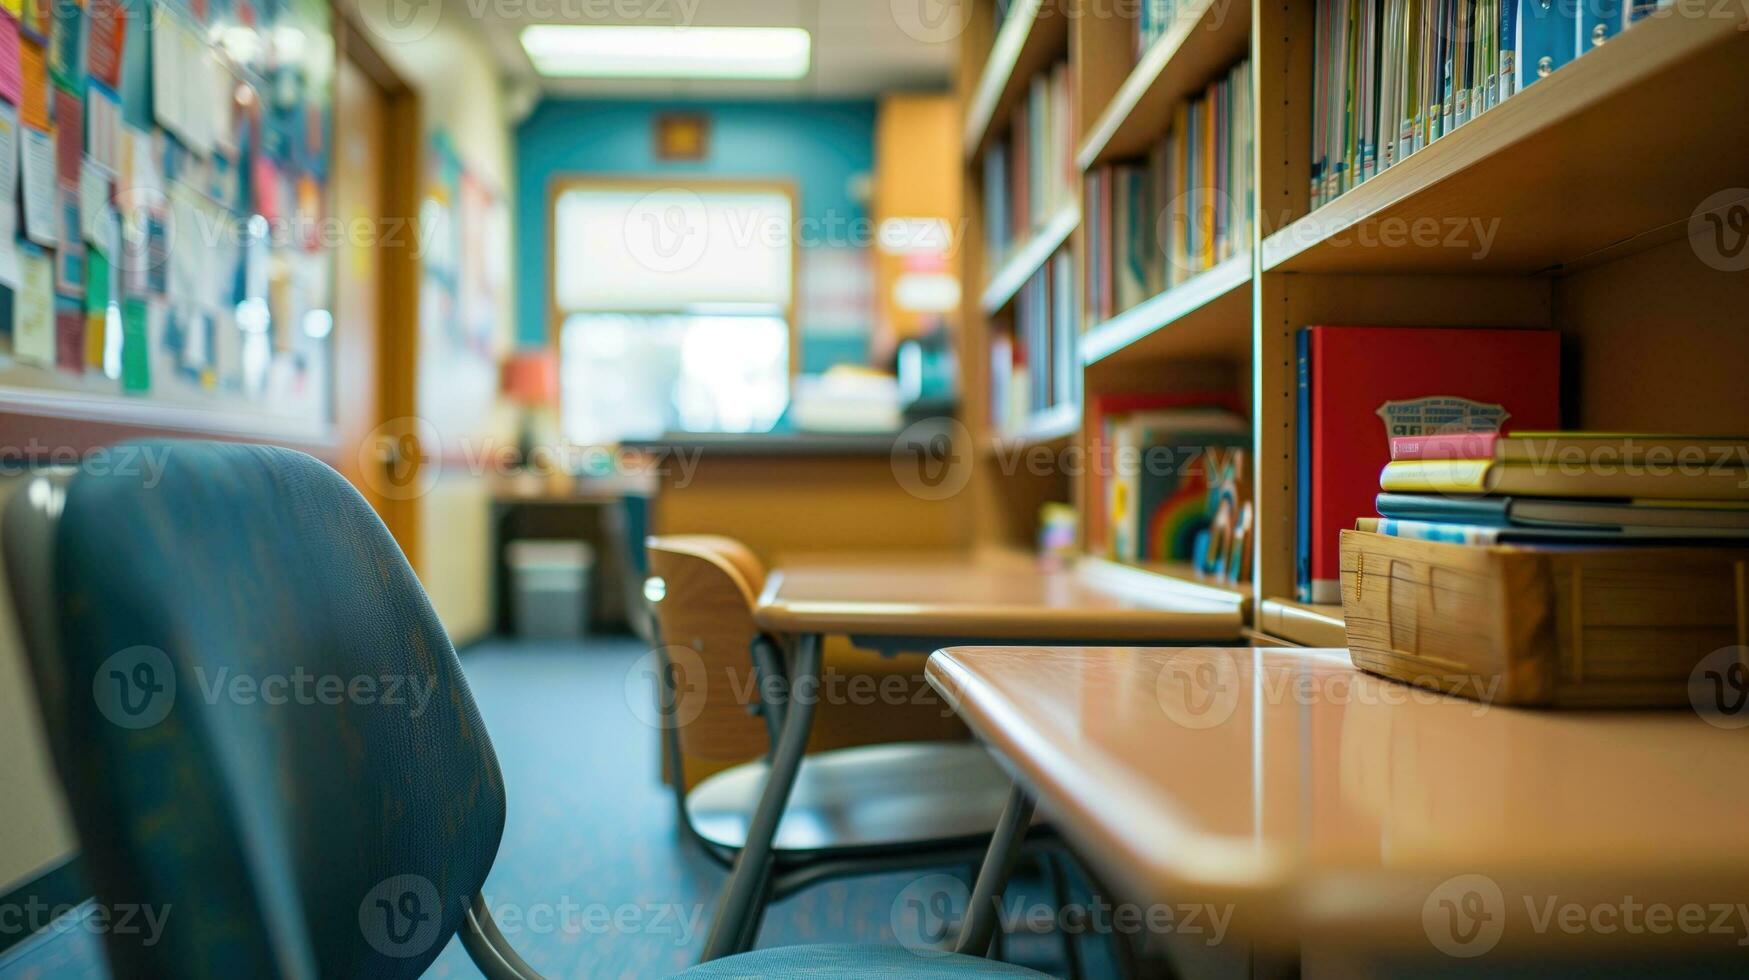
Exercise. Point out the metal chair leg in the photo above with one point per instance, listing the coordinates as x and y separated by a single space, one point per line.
1060 891
488 948
769 677
749 878
999 861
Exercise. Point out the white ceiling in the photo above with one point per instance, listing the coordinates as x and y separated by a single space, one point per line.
860 47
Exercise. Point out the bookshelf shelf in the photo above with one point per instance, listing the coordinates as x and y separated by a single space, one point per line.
1054 425
1209 313
1606 157
1028 259
1305 623
1179 579
1032 35
1206 37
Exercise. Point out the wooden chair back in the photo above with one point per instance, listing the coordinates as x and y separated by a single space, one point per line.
704 617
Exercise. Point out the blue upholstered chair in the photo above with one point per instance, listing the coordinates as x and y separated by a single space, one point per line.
294 832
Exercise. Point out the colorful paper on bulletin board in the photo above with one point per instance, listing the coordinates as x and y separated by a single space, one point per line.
104 40
103 127
37 176
36 18
65 66
15 8
11 70
8 200
33 308
136 355
96 307
33 105
134 85
70 256
69 137
157 253
70 336
96 281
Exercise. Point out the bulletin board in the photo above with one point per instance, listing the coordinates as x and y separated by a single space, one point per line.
464 227
165 243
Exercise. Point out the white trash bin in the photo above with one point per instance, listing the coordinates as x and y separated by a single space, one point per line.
550 588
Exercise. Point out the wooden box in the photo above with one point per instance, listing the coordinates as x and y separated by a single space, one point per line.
1613 627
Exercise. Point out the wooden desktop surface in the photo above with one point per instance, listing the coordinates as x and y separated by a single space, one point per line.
1329 805
989 595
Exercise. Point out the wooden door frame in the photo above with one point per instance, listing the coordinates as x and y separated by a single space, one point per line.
397 313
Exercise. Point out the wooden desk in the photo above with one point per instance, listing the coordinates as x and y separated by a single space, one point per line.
918 603
1326 805
909 601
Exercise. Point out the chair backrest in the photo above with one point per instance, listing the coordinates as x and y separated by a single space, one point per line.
705 618
261 725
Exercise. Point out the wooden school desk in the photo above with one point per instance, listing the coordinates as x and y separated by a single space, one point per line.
920 602
1330 809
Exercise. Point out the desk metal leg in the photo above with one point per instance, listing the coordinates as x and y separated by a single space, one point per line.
999 861
743 896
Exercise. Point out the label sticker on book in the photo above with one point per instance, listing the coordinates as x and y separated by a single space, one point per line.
1440 413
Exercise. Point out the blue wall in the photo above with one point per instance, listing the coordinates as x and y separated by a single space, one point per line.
820 146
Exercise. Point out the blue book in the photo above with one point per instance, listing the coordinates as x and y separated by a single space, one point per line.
1548 36
1303 467
1507 38
1482 511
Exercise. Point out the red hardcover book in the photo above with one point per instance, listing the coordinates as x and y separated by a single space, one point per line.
1445 445
1372 384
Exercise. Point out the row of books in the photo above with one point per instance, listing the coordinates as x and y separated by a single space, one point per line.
1392 76
1151 457
1565 488
1152 225
1152 20
1036 368
1030 173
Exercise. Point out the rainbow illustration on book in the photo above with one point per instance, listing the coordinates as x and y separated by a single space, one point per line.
1175 523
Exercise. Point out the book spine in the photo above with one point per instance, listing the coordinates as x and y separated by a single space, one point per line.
1303 467
1508 42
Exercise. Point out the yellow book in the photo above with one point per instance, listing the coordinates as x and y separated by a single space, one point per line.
1594 479
1181 257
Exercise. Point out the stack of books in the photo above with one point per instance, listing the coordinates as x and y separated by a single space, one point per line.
1565 488
1392 76
1035 369
1153 224
1029 175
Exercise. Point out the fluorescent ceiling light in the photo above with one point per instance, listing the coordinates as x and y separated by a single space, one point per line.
573 51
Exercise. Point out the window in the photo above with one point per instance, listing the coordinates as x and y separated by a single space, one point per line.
674 307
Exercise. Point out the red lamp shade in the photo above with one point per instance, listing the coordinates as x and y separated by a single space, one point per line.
530 377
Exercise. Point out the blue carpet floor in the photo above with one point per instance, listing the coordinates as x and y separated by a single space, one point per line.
593 879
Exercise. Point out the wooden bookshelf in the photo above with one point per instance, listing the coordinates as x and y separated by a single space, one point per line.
1178 578
1029 39
1053 426
1027 259
1304 623
1209 314
1206 37
1591 182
